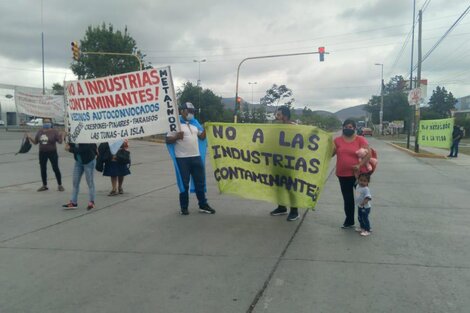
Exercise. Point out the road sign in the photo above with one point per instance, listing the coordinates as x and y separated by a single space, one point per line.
414 97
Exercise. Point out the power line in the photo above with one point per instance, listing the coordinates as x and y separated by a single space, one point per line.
425 5
292 41
445 35
405 43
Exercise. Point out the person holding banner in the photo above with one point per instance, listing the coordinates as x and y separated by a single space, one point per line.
187 149
345 147
47 138
84 155
116 166
457 134
283 115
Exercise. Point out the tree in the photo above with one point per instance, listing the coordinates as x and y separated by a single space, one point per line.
277 93
57 89
104 39
326 122
442 102
396 84
208 105
395 105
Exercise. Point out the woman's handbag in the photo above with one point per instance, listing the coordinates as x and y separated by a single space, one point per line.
123 156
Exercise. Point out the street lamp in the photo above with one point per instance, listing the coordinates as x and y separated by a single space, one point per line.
199 75
252 83
381 114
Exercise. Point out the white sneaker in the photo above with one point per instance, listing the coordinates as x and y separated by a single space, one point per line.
365 233
358 229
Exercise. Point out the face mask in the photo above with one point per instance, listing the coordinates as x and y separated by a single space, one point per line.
47 125
189 117
348 132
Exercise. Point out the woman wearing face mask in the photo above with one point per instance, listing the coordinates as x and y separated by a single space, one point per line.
347 166
47 137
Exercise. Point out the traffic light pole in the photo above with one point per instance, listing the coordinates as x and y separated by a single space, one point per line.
116 53
238 106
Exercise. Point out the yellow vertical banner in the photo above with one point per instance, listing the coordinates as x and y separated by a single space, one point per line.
436 133
279 163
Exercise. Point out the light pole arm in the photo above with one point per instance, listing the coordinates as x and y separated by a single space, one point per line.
263 57
117 53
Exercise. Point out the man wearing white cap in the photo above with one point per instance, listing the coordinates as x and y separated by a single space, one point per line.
188 150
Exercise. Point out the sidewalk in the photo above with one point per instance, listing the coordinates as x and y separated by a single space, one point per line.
461 160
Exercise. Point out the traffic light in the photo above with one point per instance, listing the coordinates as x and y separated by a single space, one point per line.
321 52
238 102
75 51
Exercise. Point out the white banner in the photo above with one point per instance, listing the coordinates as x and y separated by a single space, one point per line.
122 106
39 105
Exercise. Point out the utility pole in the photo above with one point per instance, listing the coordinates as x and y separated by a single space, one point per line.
199 72
42 45
411 74
418 79
199 82
381 113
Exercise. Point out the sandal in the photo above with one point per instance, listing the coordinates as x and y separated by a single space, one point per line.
113 193
121 191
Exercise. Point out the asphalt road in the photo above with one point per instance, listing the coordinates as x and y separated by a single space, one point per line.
135 253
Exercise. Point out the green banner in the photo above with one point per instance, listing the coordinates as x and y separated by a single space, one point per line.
279 163
436 133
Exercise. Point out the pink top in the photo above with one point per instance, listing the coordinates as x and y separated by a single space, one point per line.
346 156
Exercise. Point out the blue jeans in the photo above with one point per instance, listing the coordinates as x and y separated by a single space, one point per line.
78 170
454 150
363 218
192 167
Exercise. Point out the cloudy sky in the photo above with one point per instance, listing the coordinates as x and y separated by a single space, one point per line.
356 33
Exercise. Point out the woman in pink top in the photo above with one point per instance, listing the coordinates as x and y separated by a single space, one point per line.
347 165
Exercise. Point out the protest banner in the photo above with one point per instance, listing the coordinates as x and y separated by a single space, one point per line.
39 105
436 133
279 163
122 106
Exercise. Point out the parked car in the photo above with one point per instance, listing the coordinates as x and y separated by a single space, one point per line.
2 123
366 131
35 122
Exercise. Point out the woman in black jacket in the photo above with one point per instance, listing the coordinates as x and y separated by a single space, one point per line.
85 161
116 159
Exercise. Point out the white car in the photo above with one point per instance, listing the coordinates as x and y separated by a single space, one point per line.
35 122
2 123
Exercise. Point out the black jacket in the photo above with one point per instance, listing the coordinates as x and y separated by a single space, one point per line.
87 151
457 134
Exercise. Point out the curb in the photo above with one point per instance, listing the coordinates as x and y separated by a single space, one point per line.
418 155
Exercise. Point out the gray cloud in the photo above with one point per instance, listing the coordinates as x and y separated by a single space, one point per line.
357 33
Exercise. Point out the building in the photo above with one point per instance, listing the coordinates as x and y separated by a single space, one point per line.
463 107
7 107
8 111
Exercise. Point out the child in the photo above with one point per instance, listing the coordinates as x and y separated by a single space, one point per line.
363 198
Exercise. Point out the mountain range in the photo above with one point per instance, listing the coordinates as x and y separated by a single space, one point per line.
351 112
